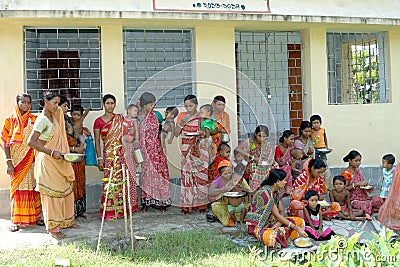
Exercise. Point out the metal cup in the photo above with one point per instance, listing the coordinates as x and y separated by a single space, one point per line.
225 138
137 153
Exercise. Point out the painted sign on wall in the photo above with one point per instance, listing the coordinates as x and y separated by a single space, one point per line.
222 6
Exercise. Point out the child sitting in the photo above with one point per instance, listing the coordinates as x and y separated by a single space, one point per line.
341 195
313 218
235 204
78 115
387 171
168 126
224 153
297 162
239 164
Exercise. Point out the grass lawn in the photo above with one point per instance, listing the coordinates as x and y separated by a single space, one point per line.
185 248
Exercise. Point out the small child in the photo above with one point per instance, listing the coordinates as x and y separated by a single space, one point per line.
224 153
168 126
235 204
387 171
318 136
297 162
313 218
78 115
208 123
131 128
342 196
239 164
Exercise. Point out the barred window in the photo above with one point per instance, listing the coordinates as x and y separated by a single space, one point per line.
65 60
357 69
161 52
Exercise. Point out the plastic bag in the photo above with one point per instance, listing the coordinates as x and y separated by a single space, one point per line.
90 157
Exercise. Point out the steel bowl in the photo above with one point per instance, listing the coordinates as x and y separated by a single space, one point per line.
73 157
303 242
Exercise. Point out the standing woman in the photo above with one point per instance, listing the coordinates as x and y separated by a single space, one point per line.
303 141
194 189
54 175
24 200
155 176
109 128
79 167
284 158
260 155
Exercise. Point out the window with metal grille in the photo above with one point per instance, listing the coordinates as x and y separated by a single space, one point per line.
357 69
154 61
65 60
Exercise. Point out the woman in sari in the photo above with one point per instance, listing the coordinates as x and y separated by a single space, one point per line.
266 220
260 154
25 201
311 179
54 175
75 146
155 176
195 159
225 182
109 128
284 158
355 180
303 141
389 213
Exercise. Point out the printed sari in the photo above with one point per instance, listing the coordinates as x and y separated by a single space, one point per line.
260 219
194 173
305 147
286 157
25 201
155 176
389 213
301 185
359 197
113 158
79 170
55 178
256 172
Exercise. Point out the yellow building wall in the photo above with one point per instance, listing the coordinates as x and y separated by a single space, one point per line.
370 129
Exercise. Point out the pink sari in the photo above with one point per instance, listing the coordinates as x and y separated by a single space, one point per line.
111 134
155 176
287 157
194 185
359 197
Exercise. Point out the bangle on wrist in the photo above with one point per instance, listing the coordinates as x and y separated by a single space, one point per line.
290 223
8 160
73 149
100 158
353 185
51 154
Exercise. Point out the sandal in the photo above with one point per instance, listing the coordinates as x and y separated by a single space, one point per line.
40 222
13 228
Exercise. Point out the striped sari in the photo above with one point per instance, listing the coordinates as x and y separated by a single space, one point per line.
25 201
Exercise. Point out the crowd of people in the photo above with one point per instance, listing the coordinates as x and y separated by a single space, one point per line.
245 189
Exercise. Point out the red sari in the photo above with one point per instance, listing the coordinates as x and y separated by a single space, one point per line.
111 134
155 176
194 185
25 201
285 157
359 197
389 213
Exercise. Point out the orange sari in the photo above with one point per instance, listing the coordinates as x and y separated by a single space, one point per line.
24 200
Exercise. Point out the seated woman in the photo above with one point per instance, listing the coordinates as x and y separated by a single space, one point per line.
265 220
355 180
225 182
311 179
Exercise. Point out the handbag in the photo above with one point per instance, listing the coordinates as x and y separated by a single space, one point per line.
90 159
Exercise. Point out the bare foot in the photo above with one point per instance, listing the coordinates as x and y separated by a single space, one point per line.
143 209
75 226
58 235
85 215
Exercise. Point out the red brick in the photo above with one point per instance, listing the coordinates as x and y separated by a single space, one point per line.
291 47
292 97
295 88
300 114
294 54
293 114
292 63
296 105
298 62
297 47
300 97
294 71
299 80
292 80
